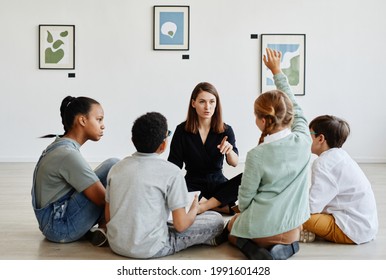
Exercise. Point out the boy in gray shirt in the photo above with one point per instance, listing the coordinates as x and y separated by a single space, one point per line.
142 190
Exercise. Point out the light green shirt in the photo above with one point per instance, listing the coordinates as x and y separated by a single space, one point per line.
273 196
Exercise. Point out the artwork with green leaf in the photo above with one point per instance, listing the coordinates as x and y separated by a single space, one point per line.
56 46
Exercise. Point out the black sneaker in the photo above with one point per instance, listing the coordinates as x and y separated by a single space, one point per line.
253 251
97 237
283 251
222 237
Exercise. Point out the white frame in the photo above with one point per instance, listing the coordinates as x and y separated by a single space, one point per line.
158 34
63 33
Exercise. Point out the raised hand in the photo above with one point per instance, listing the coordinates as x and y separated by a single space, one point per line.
272 60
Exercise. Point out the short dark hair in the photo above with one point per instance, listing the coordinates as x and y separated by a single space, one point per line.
334 129
148 132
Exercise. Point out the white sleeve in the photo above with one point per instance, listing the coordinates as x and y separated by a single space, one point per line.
323 189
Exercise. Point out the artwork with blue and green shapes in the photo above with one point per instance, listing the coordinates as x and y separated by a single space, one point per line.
171 28
290 62
292 48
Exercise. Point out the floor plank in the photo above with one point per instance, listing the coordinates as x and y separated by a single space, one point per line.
22 240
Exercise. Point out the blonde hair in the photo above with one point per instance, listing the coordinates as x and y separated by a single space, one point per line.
276 108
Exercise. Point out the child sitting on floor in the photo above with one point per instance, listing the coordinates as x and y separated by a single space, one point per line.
143 189
342 203
273 196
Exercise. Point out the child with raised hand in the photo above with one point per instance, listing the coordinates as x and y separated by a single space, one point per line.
342 203
143 189
273 196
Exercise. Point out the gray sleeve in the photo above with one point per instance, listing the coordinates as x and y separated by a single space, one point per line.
77 172
177 192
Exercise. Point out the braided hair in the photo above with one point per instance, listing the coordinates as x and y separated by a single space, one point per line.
276 108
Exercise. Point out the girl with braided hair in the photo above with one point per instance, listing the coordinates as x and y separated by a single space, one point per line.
273 195
68 197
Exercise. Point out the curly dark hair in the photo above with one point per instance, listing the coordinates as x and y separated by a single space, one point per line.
148 132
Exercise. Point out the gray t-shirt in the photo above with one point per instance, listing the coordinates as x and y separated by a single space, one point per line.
61 170
142 190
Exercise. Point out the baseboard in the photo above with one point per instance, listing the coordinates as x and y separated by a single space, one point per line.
241 160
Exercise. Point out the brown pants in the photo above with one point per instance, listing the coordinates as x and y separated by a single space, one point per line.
323 225
266 242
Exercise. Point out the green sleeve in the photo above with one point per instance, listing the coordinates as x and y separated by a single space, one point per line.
250 180
300 123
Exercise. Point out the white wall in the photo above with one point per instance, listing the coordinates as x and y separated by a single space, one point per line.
115 64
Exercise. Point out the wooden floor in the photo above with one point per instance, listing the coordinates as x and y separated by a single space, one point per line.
22 240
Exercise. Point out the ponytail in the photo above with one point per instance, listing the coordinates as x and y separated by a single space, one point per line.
50 136
277 110
69 109
270 125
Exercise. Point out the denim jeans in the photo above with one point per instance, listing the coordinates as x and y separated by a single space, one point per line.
204 229
71 217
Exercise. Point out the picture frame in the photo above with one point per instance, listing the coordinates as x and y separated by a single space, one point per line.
171 27
56 46
293 49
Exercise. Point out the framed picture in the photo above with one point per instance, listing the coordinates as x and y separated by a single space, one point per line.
171 28
293 49
56 46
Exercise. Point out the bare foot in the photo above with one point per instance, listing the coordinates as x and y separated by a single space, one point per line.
211 204
202 207
225 209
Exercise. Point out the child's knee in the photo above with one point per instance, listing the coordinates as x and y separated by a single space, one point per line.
215 219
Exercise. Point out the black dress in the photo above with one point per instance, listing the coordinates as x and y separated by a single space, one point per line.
204 163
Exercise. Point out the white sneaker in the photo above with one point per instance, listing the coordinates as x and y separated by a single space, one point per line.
306 236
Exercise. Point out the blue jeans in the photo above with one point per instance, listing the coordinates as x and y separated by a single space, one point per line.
71 217
204 229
